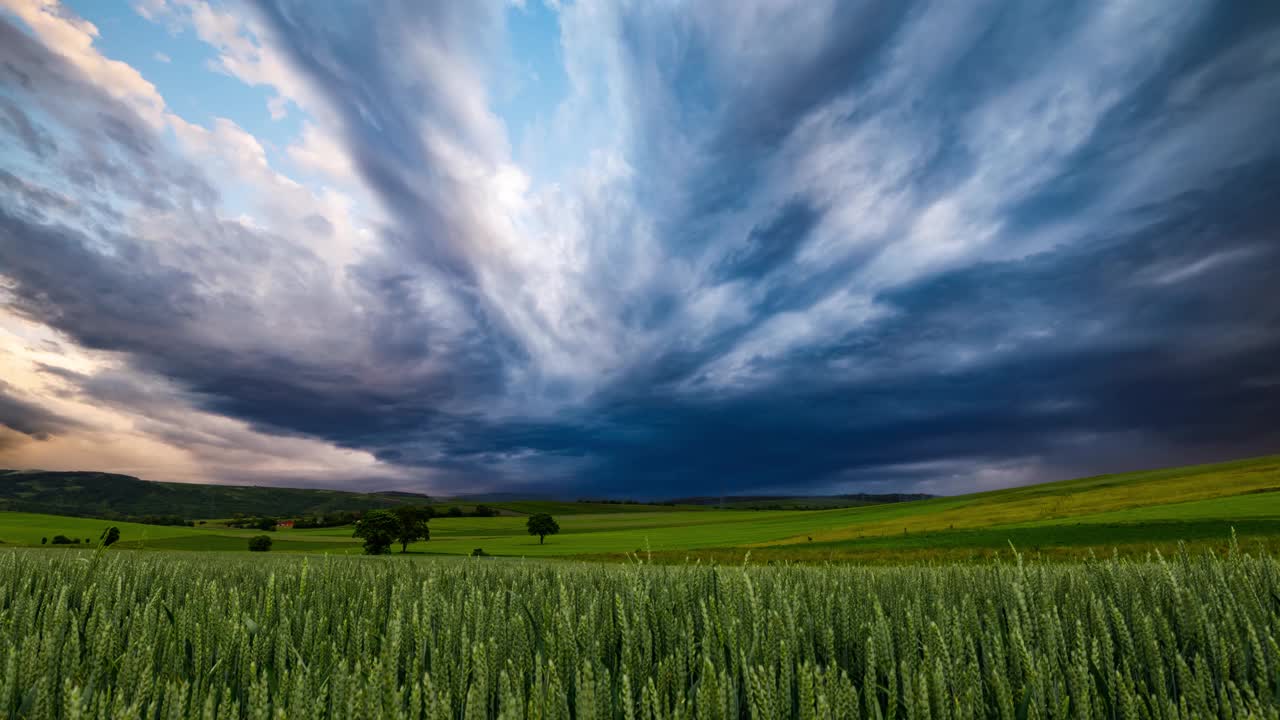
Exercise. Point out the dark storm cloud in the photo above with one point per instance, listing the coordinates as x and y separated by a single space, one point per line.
1066 344
128 303
29 418
1061 254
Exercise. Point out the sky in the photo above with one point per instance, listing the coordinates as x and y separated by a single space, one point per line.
641 249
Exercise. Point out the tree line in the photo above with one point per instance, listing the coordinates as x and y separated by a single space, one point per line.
380 529
108 537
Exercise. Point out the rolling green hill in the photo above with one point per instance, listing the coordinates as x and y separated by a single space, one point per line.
1157 493
1201 504
115 496
95 494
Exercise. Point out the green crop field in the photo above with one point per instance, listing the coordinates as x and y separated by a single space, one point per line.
27 529
165 635
1133 513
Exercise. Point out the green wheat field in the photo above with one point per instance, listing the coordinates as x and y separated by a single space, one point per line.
164 635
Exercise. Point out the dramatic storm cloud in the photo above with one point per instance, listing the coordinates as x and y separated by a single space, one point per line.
638 249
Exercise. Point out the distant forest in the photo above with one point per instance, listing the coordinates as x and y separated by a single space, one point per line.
124 497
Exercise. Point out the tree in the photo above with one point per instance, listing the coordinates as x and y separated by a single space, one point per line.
542 525
110 536
378 528
44 541
61 540
266 523
259 543
413 524
454 511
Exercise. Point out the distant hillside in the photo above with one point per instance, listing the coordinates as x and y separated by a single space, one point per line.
108 495
801 502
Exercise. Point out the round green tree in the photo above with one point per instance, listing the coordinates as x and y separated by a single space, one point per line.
110 536
378 529
413 524
542 525
259 543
